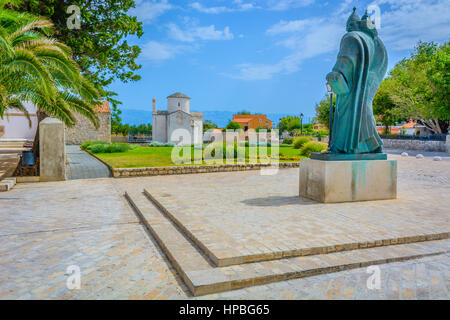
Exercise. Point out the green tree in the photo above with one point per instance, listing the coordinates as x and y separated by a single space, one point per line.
323 111
233 126
208 124
99 46
289 123
39 69
244 112
384 107
420 85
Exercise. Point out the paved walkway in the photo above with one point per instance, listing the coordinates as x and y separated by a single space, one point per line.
81 165
47 227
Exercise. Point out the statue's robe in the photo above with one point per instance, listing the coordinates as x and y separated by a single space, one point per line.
362 65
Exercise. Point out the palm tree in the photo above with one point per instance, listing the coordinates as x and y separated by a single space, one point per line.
39 69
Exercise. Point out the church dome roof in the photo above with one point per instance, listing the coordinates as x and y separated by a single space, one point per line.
178 95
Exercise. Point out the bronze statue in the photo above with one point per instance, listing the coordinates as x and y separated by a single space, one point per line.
360 68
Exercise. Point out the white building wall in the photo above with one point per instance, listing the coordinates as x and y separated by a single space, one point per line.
175 104
198 130
16 126
179 120
159 128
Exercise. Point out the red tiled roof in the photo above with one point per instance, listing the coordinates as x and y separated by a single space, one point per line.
409 125
103 107
393 130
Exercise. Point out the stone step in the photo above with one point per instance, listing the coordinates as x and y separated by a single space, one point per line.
7 184
230 256
182 253
202 276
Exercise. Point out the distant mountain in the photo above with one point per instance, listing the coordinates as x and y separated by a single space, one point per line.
221 118
136 117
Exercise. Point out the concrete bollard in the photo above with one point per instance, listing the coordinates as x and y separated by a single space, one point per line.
52 165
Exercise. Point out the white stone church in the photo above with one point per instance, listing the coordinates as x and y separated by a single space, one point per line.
177 116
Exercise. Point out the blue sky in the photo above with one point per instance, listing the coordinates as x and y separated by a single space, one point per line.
264 55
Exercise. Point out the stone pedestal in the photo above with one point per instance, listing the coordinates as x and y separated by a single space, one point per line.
52 165
347 181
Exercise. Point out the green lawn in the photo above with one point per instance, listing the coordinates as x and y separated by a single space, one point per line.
161 157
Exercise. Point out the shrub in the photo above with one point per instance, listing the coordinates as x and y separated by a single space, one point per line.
159 144
110 147
257 144
312 146
288 141
88 144
300 141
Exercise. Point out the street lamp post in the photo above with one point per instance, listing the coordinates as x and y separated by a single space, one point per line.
301 123
330 123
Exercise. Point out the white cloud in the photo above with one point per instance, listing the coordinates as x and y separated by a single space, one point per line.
292 26
280 5
148 11
239 6
403 24
409 21
305 38
194 33
157 52
214 10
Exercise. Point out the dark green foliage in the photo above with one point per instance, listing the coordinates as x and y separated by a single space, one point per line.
233 126
110 148
323 110
99 46
312 146
208 124
300 141
87 144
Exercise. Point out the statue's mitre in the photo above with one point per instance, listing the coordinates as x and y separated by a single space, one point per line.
352 20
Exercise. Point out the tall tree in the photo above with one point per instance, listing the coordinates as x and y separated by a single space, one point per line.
39 69
323 111
208 124
99 46
36 68
384 107
421 84
233 126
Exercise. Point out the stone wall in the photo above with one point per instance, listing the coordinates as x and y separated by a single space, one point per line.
155 171
119 138
84 130
437 146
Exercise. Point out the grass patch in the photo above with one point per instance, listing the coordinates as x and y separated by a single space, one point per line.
161 157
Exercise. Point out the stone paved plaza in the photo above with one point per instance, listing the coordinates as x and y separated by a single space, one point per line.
47 227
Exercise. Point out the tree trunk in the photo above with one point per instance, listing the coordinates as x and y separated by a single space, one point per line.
433 125
438 127
386 128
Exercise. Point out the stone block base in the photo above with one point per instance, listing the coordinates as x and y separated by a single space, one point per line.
347 181
51 149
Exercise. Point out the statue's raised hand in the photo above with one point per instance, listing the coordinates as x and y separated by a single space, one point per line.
337 83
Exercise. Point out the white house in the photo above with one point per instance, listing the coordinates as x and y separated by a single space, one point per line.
15 127
177 116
